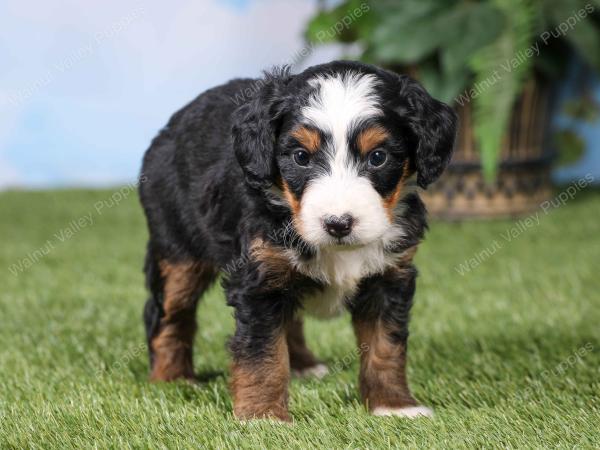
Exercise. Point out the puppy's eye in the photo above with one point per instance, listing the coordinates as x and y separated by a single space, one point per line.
301 157
377 158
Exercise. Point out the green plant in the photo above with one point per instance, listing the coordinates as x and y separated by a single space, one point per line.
471 51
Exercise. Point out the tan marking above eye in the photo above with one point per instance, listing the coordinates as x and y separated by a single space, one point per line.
370 138
308 138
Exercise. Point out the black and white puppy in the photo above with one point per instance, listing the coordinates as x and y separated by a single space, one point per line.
298 194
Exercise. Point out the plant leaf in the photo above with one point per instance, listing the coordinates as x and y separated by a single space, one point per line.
566 20
406 36
474 25
492 106
345 23
440 85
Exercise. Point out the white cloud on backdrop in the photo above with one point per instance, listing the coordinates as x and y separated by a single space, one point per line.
85 87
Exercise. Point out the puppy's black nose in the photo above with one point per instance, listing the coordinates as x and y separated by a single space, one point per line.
338 226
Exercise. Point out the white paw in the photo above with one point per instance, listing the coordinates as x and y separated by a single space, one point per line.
410 412
318 371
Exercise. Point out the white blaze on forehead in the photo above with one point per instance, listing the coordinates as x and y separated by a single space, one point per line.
340 102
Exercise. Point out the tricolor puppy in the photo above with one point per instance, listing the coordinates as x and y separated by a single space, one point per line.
295 188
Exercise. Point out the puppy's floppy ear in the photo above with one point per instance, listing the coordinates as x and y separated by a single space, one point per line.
255 127
434 124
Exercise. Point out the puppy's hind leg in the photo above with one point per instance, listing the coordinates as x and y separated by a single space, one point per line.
170 315
302 361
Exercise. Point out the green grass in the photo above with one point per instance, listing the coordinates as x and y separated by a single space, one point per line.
508 354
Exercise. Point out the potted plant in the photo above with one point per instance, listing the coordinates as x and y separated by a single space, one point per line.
497 62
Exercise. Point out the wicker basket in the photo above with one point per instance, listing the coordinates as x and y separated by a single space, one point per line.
523 180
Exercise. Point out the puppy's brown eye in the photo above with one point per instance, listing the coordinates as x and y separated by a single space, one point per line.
377 158
301 157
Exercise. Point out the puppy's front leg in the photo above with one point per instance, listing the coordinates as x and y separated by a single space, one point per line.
261 366
380 317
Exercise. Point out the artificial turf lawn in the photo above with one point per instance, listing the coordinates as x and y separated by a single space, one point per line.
507 354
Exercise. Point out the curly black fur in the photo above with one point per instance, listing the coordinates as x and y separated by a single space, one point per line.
207 197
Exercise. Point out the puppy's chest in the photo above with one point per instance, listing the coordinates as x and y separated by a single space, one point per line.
340 272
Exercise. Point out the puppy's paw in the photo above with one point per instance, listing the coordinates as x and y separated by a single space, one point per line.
317 371
257 421
274 415
410 411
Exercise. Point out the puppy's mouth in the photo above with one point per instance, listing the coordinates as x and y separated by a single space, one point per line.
345 244
345 247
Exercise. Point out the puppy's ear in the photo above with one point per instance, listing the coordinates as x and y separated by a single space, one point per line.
434 124
255 127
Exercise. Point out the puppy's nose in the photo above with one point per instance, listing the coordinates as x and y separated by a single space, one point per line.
338 226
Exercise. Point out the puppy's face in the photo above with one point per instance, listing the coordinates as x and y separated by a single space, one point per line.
343 160
337 143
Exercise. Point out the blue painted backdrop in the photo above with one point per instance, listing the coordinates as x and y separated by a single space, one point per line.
84 86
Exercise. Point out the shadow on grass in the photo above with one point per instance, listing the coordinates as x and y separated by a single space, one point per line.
207 376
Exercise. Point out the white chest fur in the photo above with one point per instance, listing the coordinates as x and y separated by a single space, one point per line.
340 270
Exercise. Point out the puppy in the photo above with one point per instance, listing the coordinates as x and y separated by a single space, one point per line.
297 189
